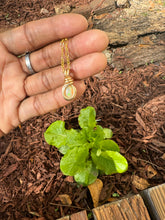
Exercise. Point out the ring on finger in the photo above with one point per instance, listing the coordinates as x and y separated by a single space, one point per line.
28 63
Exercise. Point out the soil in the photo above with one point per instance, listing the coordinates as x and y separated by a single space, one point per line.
130 102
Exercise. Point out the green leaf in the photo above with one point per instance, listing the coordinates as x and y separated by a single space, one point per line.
75 138
87 174
107 133
110 162
87 117
98 152
56 134
64 149
74 159
96 134
109 145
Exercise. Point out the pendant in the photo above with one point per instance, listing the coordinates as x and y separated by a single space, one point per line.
69 91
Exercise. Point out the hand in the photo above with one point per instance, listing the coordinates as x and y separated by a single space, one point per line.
24 95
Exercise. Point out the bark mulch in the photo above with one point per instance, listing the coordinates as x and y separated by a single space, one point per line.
131 103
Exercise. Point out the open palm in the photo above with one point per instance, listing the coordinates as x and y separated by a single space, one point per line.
23 95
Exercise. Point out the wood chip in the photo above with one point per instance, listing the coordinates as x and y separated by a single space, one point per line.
65 199
151 172
95 190
44 11
111 199
69 179
61 9
39 188
141 122
163 156
140 183
8 171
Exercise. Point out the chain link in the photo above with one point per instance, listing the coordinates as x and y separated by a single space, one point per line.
65 56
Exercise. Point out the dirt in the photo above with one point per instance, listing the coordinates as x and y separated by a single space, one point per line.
131 103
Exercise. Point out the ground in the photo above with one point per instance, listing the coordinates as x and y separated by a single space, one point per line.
130 102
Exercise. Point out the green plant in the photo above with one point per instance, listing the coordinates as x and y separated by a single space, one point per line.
7 15
90 215
115 195
87 151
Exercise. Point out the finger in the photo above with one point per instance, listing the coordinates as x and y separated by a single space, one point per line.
80 45
81 68
43 103
1 133
36 34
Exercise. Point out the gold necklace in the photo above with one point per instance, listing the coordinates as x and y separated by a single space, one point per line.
68 90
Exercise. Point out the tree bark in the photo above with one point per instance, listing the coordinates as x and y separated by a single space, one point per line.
136 31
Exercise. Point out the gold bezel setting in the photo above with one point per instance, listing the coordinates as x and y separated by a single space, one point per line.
71 94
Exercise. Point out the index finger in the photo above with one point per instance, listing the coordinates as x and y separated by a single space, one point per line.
36 34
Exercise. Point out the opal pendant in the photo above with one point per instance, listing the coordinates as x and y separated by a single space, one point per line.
69 91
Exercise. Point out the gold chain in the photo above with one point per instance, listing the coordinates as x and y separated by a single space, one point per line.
65 54
68 90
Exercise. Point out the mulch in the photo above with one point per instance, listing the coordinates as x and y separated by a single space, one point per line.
131 103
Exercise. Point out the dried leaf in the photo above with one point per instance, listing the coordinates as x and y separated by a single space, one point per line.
95 190
163 156
65 199
140 183
151 172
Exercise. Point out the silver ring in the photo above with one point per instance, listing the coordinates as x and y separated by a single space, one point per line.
28 63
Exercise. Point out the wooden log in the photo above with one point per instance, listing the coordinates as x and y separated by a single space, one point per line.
136 33
131 23
64 218
132 208
122 31
97 7
146 50
79 216
154 199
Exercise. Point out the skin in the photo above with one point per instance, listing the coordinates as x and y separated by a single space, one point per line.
22 95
